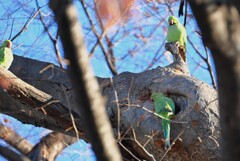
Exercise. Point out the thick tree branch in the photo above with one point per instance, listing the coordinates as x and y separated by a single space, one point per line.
15 140
190 94
50 146
44 109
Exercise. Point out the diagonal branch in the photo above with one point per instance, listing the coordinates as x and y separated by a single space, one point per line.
15 140
12 155
42 107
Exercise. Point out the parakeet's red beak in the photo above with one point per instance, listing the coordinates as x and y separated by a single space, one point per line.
9 45
171 22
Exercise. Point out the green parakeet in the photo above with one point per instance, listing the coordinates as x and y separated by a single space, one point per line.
6 56
177 32
165 108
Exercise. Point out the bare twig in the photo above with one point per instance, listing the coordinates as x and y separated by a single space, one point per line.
154 113
142 147
54 40
173 143
186 12
11 29
26 24
108 56
118 110
150 138
129 152
207 61
210 69
129 91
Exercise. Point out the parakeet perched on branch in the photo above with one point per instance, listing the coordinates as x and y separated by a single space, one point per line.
177 33
165 108
6 56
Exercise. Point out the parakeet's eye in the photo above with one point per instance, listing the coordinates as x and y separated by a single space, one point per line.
171 22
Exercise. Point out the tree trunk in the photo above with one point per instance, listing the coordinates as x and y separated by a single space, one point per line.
221 33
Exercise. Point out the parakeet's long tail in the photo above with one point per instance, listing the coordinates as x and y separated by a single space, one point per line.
166 132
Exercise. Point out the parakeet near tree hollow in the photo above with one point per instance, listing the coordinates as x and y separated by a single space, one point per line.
177 33
165 108
6 56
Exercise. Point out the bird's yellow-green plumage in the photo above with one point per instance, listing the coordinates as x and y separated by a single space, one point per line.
165 108
6 56
176 32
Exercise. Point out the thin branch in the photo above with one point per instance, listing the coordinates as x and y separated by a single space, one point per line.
129 152
129 91
11 155
154 113
109 59
142 147
150 138
54 40
26 24
210 69
118 110
186 12
11 29
71 114
207 61
173 143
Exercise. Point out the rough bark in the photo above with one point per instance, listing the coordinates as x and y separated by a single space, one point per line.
198 102
45 110
221 33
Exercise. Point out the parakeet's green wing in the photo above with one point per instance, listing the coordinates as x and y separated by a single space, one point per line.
177 33
165 108
1 55
183 40
6 57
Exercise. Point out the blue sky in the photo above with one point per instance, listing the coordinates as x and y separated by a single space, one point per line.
34 43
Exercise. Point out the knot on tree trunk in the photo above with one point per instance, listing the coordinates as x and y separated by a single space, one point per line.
179 57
